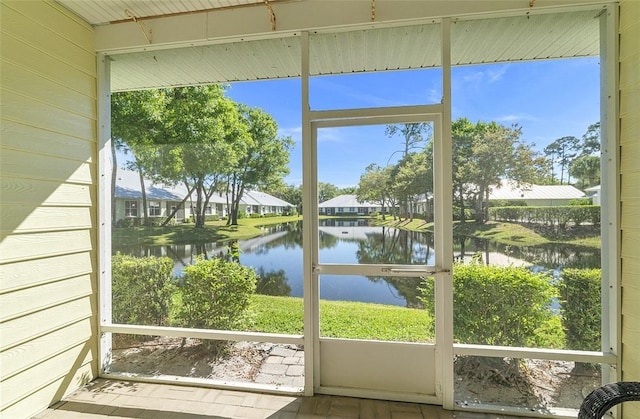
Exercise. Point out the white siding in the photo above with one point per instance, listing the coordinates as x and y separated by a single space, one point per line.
630 192
48 338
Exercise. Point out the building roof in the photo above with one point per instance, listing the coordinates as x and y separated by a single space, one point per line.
593 190
263 198
128 187
346 201
510 191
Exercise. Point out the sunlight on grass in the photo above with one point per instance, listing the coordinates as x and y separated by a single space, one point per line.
343 319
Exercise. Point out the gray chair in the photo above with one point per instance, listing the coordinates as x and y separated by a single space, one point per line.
600 400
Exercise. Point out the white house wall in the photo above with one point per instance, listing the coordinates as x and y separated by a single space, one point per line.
48 229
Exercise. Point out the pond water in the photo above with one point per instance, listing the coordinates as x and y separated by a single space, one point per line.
277 258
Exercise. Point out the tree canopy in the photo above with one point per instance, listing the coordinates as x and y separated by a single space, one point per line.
199 137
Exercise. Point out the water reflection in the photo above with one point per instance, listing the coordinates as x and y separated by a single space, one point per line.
277 257
546 257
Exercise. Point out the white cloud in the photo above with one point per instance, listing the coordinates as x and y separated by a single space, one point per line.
329 135
434 96
516 118
495 73
488 74
294 132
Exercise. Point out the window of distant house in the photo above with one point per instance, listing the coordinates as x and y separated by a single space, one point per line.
154 208
207 210
130 208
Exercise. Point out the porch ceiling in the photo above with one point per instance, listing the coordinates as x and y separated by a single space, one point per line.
112 11
393 45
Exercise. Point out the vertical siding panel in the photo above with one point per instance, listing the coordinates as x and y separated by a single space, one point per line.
629 195
48 257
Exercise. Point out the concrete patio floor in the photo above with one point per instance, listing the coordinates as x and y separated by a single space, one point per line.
124 399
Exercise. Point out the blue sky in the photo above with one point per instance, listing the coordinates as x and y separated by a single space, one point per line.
548 99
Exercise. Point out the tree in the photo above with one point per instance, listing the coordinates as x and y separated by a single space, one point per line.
348 190
327 191
206 136
529 166
374 186
414 136
493 151
462 136
591 140
486 153
290 193
136 126
562 151
586 170
262 158
199 137
412 179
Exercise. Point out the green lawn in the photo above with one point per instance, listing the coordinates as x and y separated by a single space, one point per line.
513 234
186 233
343 319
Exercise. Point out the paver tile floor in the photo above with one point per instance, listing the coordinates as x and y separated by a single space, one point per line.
124 399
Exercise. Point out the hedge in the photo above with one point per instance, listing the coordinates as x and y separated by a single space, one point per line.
548 216
141 289
215 294
505 306
581 308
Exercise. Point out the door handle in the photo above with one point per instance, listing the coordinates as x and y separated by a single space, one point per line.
414 270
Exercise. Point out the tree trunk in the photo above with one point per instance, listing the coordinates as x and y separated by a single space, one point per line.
181 204
114 178
145 212
199 214
463 217
478 207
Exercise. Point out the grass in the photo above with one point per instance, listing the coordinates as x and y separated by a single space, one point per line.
523 235
186 233
343 319
512 234
411 225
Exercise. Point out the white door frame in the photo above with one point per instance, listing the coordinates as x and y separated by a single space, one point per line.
440 364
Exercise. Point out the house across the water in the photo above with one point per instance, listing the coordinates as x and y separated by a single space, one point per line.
535 195
163 199
347 205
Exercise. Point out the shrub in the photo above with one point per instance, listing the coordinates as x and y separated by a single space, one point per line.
580 201
215 294
548 216
507 306
141 289
581 308
126 222
290 211
507 203
155 221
